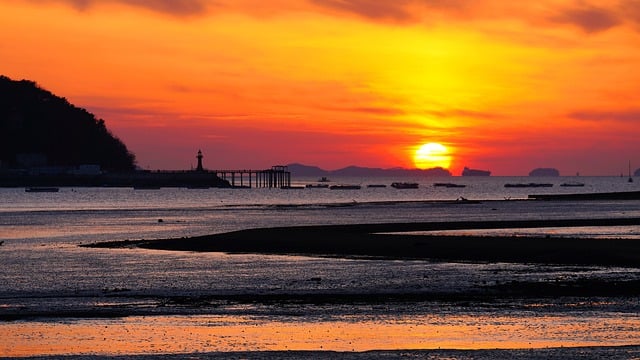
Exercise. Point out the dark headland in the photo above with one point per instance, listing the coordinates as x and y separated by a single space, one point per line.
47 141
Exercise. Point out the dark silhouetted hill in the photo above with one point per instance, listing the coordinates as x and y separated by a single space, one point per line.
33 121
356 171
306 170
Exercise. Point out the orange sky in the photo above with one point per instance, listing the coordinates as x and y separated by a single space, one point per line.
505 86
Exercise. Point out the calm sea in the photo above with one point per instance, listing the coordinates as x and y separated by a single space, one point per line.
65 299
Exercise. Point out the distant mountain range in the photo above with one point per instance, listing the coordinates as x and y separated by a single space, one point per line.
357 171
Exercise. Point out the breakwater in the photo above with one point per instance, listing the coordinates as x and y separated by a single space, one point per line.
275 177
134 179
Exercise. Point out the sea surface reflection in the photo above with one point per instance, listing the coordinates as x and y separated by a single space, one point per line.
57 298
212 333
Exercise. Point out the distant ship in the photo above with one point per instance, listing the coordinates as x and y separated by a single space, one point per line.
344 187
475 172
405 185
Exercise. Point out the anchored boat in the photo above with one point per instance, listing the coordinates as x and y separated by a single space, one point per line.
404 185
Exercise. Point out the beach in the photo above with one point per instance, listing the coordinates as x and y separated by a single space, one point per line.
414 241
305 278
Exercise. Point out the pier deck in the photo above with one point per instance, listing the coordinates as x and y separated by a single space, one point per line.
276 177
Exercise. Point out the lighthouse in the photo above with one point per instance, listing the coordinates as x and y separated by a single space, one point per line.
199 157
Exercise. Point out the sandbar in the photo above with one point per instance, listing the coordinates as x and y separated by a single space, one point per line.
393 241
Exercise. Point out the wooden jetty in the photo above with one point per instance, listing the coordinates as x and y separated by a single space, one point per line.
278 176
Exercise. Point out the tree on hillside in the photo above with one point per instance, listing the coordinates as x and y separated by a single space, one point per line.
35 121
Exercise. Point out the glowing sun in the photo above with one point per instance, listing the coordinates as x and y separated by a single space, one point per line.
432 155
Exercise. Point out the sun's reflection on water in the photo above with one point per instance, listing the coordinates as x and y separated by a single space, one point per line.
221 333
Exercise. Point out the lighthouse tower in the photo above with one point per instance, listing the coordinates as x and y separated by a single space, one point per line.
199 157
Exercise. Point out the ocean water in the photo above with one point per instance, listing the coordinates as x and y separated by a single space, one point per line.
58 298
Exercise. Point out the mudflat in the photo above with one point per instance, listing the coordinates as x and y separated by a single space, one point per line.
413 241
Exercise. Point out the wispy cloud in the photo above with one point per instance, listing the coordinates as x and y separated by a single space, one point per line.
631 11
589 19
464 113
372 110
389 10
625 115
400 11
172 7
579 13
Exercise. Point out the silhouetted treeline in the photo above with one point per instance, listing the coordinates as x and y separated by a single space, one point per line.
35 121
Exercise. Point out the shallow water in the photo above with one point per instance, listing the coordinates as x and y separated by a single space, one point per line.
222 333
58 298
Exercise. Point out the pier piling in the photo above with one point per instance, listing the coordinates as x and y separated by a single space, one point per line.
277 177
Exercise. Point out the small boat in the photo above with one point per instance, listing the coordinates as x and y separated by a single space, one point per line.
404 185
345 187
317 186
376 186
463 200
293 187
528 185
572 184
41 189
449 185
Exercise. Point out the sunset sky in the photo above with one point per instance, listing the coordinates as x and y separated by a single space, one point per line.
501 85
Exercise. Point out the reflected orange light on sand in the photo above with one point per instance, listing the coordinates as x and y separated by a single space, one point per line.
184 334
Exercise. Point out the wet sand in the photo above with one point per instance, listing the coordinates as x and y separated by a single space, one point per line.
395 241
413 241
621 352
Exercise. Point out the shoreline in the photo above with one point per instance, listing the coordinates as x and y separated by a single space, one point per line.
547 353
390 241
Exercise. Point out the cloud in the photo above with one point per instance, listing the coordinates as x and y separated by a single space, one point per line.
625 116
373 9
631 10
400 11
172 7
372 110
589 19
464 113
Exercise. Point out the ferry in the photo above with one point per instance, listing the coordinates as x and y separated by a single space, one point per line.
317 186
572 184
449 185
528 185
345 187
404 185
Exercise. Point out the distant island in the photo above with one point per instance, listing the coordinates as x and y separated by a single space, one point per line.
47 141
475 172
544 172
357 171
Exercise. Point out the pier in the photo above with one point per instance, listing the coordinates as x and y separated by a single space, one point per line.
277 177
